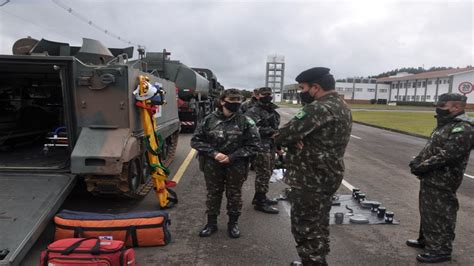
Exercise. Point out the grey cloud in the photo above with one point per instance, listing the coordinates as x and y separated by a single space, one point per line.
234 38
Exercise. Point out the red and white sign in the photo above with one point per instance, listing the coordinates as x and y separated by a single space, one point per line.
465 87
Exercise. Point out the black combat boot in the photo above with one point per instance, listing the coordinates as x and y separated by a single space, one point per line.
267 200
211 226
262 205
232 227
433 257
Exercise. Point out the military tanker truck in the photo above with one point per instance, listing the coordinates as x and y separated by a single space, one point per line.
69 112
197 87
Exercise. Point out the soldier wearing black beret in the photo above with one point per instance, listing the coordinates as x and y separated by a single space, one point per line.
314 77
316 139
440 167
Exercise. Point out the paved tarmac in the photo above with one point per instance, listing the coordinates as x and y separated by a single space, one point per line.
376 162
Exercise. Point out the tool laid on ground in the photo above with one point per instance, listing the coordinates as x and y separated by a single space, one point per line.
149 98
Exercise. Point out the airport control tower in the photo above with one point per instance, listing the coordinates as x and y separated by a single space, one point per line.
275 74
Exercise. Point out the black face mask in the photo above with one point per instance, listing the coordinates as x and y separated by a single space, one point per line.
442 113
266 99
306 97
442 116
233 107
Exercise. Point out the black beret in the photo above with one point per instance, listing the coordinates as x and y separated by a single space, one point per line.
446 97
312 74
264 90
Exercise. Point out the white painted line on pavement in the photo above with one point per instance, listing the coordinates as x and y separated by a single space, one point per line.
347 185
356 137
470 176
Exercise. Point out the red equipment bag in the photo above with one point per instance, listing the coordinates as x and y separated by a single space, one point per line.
88 251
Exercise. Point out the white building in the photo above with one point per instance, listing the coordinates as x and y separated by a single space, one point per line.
427 86
403 87
359 90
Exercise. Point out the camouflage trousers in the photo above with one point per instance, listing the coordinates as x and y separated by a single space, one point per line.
310 223
224 177
438 210
263 164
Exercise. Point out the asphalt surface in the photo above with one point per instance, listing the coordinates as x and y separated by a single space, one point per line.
376 162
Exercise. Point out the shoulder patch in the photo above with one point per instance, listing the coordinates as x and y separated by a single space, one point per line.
250 121
457 129
301 114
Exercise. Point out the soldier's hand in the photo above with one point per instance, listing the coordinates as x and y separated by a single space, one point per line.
279 152
299 145
225 160
220 156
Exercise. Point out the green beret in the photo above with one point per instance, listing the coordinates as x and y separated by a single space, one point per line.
456 97
263 90
312 74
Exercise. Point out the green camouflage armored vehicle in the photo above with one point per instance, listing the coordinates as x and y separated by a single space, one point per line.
69 112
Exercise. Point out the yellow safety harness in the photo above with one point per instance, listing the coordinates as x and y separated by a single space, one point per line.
154 142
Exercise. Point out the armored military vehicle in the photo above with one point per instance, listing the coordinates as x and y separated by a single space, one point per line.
197 87
68 112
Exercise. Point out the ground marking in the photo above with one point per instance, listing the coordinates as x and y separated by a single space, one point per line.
356 137
184 166
347 185
470 176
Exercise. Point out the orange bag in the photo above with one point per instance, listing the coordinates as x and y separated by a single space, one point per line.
135 229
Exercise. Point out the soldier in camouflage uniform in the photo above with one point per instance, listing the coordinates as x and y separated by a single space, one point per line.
268 120
440 167
316 139
225 140
251 102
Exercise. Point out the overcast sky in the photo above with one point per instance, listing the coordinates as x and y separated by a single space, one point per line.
234 38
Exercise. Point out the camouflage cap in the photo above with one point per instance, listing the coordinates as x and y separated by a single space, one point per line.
263 90
312 74
233 94
456 97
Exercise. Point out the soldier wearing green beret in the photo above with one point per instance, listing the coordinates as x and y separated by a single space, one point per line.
226 140
440 167
316 139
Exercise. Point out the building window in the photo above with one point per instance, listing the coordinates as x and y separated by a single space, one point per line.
370 90
419 84
358 89
424 84
413 97
348 89
428 97
430 82
404 85
383 90
445 81
417 98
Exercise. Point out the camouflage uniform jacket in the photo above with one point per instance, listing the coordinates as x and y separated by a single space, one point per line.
324 126
248 104
444 157
236 136
267 121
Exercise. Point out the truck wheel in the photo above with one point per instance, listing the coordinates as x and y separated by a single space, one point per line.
138 178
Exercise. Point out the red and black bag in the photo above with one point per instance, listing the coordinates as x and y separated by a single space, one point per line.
135 229
88 251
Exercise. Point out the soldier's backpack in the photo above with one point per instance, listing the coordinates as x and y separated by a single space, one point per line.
88 251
